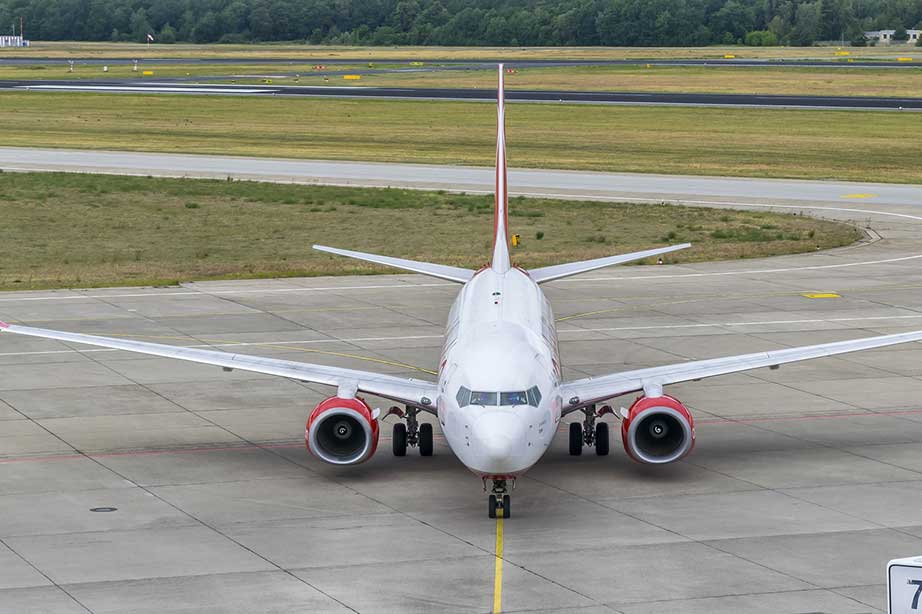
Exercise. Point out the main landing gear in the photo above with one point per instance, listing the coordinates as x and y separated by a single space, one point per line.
589 432
498 505
412 433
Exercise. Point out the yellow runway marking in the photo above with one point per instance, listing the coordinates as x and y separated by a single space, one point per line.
821 295
498 569
858 195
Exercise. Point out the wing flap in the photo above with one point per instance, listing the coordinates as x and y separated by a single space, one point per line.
594 389
441 271
559 271
400 389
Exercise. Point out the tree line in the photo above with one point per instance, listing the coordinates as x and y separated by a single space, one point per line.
462 22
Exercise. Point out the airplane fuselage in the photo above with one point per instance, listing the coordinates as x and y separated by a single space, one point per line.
499 374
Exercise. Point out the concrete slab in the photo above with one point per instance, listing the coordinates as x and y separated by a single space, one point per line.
40 600
826 560
255 592
182 551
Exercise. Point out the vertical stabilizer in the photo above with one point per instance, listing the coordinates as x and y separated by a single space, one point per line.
501 262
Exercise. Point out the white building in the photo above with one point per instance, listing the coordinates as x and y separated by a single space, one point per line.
885 37
13 41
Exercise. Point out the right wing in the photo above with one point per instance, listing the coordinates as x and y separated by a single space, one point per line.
580 393
441 271
414 392
559 271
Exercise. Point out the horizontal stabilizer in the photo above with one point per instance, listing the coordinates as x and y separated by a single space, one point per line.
559 271
449 273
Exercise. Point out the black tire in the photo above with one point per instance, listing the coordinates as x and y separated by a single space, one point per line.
400 439
576 439
426 446
491 506
507 510
601 439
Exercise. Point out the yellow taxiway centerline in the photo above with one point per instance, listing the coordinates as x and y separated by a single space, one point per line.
498 569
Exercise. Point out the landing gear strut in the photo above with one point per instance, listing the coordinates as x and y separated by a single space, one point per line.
412 433
498 505
590 433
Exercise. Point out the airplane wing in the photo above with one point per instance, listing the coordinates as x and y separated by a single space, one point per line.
580 393
559 271
414 392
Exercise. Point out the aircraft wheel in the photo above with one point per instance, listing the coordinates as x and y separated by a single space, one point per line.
601 439
426 446
507 511
400 439
491 506
576 439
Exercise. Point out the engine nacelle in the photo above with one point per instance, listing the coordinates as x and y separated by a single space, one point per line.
658 430
342 431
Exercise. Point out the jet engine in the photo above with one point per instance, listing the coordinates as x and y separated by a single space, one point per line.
342 431
658 430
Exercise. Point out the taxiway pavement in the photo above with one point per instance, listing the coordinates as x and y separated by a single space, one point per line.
805 480
470 94
525 182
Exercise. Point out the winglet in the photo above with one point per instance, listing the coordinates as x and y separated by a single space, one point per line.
501 261
4 325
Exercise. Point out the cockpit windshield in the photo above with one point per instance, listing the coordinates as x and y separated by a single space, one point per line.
532 397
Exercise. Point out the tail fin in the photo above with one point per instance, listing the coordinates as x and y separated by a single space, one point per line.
501 261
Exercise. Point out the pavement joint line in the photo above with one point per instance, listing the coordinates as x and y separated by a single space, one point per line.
44 575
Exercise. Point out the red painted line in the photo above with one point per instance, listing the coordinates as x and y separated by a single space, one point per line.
163 451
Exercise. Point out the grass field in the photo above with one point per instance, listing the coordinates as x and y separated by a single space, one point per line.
809 144
319 52
63 230
653 78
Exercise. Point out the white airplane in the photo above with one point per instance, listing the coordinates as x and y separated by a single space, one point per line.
499 398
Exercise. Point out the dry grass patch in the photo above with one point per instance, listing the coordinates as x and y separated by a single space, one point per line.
65 230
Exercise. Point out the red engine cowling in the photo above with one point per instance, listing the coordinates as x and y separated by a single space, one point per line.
342 431
658 430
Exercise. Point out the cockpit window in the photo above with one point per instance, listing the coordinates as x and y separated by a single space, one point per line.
513 398
534 396
484 398
466 397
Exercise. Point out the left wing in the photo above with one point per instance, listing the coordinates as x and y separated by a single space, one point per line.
414 392
580 393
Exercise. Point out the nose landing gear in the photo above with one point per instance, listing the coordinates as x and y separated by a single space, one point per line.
498 505
412 433
590 433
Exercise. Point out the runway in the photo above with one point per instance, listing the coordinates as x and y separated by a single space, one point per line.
462 94
805 480
525 182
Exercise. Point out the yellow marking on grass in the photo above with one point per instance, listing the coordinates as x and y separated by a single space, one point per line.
858 195
821 295
498 569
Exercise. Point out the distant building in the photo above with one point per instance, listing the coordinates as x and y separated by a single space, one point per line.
885 37
13 41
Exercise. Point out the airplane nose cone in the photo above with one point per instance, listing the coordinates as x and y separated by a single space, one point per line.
500 441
